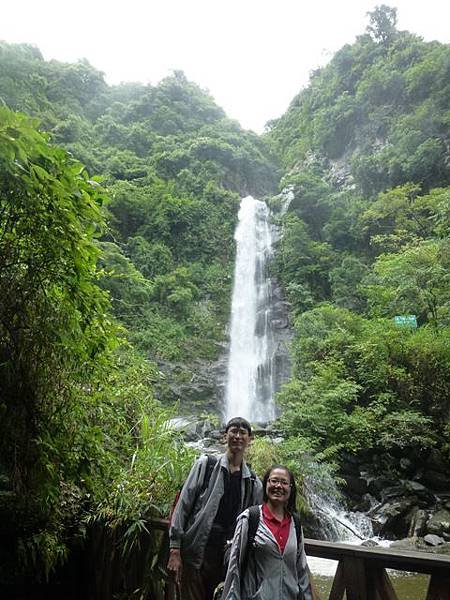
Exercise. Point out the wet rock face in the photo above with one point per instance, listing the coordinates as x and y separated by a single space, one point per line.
391 519
415 505
417 522
282 337
402 514
436 480
198 387
356 486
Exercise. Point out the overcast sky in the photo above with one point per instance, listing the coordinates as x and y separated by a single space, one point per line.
252 55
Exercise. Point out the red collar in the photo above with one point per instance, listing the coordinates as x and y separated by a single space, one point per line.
269 516
279 529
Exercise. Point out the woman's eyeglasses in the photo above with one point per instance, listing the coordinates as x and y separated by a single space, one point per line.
276 481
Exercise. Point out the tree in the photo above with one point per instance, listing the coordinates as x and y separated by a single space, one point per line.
345 283
311 201
413 281
304 262
382 23
55 328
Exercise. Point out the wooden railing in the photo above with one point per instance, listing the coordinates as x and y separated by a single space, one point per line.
361 571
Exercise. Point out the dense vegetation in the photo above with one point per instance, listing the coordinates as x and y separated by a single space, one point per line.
174 167
105 280
77 442
365 148
115 268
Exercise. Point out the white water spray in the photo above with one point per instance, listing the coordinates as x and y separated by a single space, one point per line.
249 391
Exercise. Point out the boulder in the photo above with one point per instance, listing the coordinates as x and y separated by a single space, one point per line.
393 491
436 480
369 543
417 522
186 425
439 522
356 486
433 540
426 498
378 485
392 518
365 504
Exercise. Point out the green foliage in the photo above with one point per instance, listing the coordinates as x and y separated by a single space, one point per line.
83 440
402 216
153 460
262 454
380 106
56 332
150 259
416 280
321 407
365 149
310 200
302 264
382 23
345 282
295 453
362 384
175 167
140 463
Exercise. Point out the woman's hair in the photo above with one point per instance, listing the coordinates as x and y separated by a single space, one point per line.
292 501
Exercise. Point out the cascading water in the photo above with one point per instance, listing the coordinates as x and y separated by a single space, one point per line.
249 390
336 523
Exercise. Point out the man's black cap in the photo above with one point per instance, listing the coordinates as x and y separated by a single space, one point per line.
239 422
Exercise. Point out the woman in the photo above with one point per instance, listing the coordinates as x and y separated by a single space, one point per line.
274 566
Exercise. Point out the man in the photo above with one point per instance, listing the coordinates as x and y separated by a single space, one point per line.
204 517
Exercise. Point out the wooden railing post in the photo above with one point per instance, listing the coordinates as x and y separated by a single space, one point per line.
439 587
379 584
355 579
361 581
338 587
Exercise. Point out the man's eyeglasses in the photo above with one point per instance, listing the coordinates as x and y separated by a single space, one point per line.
276 481
235 431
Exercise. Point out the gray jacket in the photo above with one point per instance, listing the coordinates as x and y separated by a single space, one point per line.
269 575
194 513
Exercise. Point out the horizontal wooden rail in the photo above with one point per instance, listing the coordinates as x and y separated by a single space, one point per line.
361 571
391 558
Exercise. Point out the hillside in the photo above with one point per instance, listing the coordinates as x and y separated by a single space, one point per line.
174 167
365 257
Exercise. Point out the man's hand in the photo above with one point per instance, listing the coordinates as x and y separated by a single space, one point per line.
174 564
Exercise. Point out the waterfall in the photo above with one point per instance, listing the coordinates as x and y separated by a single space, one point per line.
329 518
249 389
338 524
